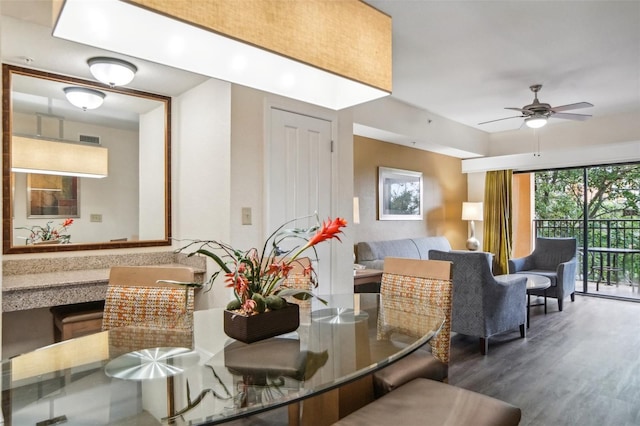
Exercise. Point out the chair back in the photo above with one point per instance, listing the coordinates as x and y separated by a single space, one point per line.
429 282
297 277
551 252
135 297
471 274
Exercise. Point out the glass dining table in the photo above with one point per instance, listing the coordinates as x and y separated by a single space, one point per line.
140 376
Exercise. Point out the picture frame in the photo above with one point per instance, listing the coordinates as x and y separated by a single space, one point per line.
52 196
400 194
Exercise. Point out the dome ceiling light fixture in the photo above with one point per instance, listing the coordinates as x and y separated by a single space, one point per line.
112 71
83 97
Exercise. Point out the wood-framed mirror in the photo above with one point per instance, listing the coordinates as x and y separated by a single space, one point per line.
130 207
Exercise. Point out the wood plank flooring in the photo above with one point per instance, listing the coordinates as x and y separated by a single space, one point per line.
580 366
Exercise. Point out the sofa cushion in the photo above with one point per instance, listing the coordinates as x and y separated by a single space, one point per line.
431 243
372 253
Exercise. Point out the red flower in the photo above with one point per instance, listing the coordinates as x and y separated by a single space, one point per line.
330 229
308 270
249 305
67 222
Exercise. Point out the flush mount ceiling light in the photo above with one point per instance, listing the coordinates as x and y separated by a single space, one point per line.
112 71
536 121
350 64
83 97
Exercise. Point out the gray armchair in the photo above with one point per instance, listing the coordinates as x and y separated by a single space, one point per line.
555 258
483 306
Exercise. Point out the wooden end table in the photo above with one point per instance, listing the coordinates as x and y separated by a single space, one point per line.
366 280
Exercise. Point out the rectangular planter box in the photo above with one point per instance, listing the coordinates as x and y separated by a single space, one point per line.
261 326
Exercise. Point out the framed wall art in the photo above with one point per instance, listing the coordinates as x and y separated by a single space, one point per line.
52 196
399 194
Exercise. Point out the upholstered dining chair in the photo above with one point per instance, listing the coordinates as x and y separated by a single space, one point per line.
429 402
429 282
136 297
297 277
555 258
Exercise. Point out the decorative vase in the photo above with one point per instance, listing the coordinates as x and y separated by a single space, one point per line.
249 329
47 242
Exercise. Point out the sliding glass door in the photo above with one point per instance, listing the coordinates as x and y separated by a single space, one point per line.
600 206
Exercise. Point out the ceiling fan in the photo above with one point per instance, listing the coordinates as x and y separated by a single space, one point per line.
536 113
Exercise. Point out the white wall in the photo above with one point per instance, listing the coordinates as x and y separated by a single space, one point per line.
201 171
152 166
250 126
115 197
603 140
392 121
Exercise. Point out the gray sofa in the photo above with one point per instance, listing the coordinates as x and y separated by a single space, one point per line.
372 253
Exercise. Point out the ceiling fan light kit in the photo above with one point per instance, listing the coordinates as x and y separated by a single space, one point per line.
537 113
536 122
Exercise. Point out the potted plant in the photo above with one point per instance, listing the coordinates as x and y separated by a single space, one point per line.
258 278
48 234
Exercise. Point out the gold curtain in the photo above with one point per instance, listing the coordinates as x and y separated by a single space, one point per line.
497 219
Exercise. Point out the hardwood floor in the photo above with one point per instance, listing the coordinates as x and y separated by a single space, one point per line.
580 366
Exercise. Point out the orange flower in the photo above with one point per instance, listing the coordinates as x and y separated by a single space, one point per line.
238 281
67 222
329 229
281 268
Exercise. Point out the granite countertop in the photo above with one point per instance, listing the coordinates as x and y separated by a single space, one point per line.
54 279
73 279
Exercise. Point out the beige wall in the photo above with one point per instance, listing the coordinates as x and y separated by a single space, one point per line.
445 188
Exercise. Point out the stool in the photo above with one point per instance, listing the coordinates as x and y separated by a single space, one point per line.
76 320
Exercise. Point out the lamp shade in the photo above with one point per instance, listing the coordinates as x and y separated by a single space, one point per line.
535 121
471 211
112 71
335 54
58 158
356 210
84 98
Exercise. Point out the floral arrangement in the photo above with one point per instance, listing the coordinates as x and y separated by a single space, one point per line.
49 233
257 276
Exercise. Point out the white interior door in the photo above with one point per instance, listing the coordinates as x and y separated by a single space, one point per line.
299 178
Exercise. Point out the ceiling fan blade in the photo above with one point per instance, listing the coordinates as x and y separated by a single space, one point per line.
569 116
500 119
524 111
572 106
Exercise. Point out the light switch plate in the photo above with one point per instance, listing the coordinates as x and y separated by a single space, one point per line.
94 217
246 215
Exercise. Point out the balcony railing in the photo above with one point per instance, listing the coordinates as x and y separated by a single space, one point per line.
613 246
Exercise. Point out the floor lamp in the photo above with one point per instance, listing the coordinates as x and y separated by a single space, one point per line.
472 212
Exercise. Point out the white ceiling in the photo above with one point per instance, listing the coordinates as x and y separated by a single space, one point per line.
468 60
463 60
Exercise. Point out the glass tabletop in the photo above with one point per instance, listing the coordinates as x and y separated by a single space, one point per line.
136 375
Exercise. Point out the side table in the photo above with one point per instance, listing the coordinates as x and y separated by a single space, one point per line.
366 280
534 282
